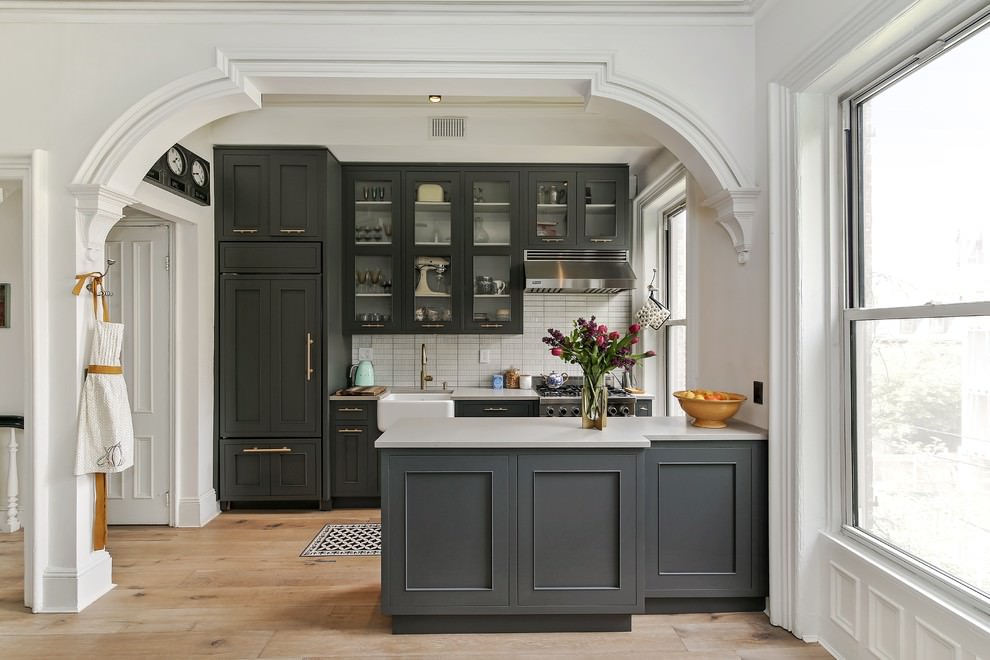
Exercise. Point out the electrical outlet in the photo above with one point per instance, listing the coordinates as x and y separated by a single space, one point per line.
366 354
758 392
484 356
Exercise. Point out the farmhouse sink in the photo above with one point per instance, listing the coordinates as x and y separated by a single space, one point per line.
398 405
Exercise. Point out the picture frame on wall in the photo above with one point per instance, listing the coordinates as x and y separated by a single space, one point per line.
4 305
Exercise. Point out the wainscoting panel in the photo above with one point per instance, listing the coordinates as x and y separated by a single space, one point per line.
886 626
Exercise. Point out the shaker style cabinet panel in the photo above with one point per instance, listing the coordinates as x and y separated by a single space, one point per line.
496 408
271 192
706 510
268 470
270 356
353 467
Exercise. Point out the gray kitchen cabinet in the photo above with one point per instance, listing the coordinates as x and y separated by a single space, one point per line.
644 407
266 469
270 355
505 535
353 468
496 408
584 207
268 192
706 529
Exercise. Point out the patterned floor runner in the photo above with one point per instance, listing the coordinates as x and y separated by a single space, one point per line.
349 539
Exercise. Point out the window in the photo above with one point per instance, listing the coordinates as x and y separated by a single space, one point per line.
917 317
675 330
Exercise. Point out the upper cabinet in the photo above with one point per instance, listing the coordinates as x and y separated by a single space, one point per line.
579 208
272 192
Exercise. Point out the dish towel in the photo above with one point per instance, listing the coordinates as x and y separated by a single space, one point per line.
105 439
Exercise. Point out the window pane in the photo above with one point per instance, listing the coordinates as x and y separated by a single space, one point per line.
923 440
676 367
677 266
924 146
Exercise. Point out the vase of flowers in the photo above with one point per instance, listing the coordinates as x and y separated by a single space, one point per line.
597 350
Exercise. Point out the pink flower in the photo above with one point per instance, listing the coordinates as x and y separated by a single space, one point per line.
634 328
601 341
635 340
613 335
649 353
603 329
556 351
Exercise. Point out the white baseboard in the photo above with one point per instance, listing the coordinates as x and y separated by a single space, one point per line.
72 590
197 511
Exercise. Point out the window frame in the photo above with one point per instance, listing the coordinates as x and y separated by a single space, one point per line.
678 205
853 310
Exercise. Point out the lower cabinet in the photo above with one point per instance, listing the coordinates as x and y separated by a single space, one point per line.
269 470
706 526
511 534
496 408
353 470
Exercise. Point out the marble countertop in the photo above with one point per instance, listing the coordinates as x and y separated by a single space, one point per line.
462 394
544 433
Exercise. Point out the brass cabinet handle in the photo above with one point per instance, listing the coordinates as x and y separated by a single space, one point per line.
267 450
490 325
495 409
601 240
350 409
309 357
552 240
245 231
350 430
434 325
372 325
292 231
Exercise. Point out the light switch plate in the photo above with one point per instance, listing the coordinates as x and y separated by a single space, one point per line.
366 354
484 356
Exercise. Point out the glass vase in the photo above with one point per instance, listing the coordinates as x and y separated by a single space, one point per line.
594 402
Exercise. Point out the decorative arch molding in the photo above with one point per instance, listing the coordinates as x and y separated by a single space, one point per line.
235 84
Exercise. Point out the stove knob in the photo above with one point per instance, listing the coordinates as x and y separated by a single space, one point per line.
624 411
563 411
612 411
550 411
576 411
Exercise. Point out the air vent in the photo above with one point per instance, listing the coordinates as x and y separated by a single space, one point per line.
446 127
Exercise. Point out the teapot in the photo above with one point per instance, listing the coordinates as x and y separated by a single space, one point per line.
553 380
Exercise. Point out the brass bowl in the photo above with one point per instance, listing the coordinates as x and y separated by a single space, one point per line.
710 414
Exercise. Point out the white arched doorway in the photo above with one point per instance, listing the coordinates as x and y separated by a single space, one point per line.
110 174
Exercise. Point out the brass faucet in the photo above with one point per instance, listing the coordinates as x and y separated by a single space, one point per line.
423 376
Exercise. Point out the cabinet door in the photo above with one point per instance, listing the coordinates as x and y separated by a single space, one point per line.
355 464
603 208
298 193
296 357
244 359
494 280
245 202
706 520
578 532
496 408
293 469
245 470
446 532
550 209
373 231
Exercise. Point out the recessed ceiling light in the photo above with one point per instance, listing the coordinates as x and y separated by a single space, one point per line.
434 98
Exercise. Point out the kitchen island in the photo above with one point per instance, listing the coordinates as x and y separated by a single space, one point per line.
523 524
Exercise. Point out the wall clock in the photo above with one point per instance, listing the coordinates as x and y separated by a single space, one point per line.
182 172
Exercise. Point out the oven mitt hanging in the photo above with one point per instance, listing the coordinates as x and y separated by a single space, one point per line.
653 314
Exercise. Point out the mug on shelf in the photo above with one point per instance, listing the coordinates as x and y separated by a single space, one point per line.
499 286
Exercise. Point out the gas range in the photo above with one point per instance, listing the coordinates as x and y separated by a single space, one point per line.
565 401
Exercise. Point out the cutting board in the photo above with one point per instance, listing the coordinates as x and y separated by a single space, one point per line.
371 390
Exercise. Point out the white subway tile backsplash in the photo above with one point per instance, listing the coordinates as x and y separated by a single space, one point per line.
454 358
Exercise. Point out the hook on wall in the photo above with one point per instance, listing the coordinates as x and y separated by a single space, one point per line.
103 275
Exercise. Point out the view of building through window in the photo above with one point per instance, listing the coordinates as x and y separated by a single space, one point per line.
920 317
675 223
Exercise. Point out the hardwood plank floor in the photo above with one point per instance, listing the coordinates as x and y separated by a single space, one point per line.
238 588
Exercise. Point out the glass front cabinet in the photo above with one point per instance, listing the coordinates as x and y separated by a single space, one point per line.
373 235
493 285
584 208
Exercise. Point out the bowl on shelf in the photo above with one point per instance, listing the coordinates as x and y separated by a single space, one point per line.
710 408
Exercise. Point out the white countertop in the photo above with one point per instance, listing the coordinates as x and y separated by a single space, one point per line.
559 433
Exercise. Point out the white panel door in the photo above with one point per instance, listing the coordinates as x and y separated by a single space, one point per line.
139 282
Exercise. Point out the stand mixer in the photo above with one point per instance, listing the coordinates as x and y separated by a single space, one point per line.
424 265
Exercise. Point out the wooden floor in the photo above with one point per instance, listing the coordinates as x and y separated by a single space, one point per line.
239 589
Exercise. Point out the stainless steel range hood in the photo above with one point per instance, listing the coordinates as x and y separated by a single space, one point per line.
578 271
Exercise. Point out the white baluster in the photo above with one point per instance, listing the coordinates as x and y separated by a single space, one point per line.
13 523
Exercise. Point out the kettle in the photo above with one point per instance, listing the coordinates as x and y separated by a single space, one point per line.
362 374
553 380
